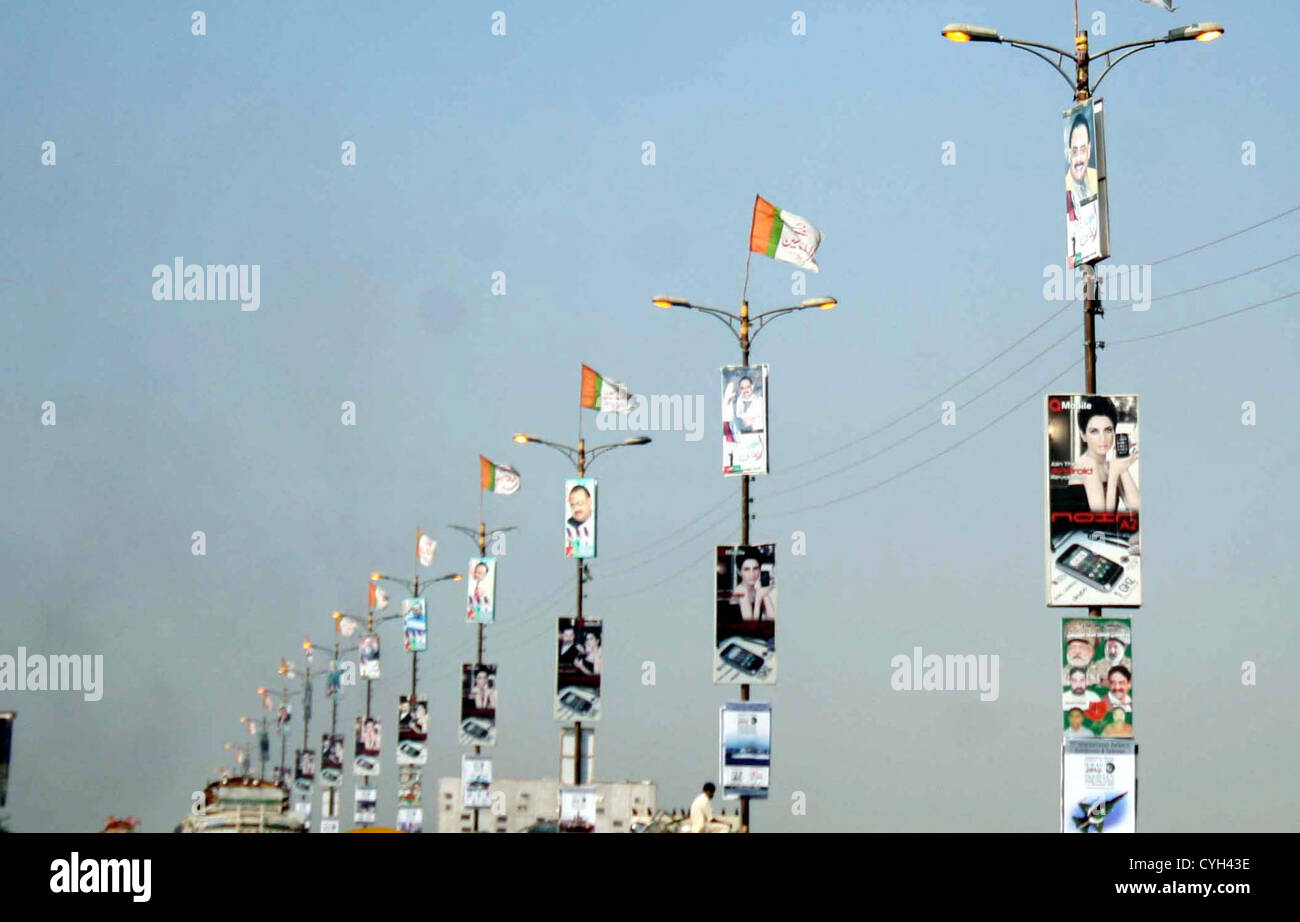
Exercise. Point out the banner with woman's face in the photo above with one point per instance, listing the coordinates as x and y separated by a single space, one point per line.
580 518
478 704
1093 539
412 730
481 590
744 609
579 659
1097 678
365 760
331 760
744 420
1087 217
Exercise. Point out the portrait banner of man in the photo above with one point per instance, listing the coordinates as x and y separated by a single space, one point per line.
412 730
1093 540
331 760
744 624
415 625
365 758
478 704
578 661
1098 786
1087 217
1097 678
480 591
744 420
368 655
580 518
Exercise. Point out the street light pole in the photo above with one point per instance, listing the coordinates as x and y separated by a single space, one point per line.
578 456
745 329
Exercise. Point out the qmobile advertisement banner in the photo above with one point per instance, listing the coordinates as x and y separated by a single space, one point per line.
1094 547
1099 786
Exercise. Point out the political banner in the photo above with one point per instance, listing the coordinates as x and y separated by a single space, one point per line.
478 704
415 626
579 655
580 518
410 819
745 735
745 615
481 592
365 800
412 730
1087 217
1093 538
366 752
1099 786
1097 677
475 781
331 760
410 786
368 655
744 420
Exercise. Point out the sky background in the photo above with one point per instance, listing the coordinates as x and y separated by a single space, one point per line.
523 154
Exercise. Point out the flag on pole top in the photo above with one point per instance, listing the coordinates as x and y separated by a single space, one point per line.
603 394
426 548
783 236
498 478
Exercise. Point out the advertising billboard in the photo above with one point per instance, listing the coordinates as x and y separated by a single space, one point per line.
580 518
415 626
481 591
744 650
1087 217
744 420
1093 501
304 770
478 704
365 800
578 809
331 760
1099 786
475 781
1097 678
412 730
365 758
745 740
579 654
368 654
410 819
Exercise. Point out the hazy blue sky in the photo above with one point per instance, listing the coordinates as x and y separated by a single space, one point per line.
523 153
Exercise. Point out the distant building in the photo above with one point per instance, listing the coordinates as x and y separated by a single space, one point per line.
243 804
521 802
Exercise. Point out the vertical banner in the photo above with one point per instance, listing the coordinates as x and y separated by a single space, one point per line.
6 750
579 654
412 730
415 625
1087 215
410 787
478 704
410 819
744 420
1097 678
368 654
580 518
329 810
304 771
578 809
1099 786
745 735
1093 501
745 615
481 592
475 781
365 800
366 752
331 759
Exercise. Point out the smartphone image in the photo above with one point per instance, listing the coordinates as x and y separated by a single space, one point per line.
1099 572
1121 445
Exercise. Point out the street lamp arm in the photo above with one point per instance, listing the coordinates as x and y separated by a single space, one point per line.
1061 55
761 320
1133 48
593 453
